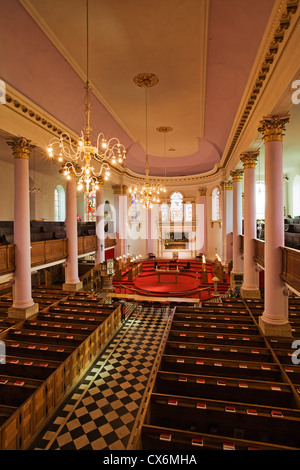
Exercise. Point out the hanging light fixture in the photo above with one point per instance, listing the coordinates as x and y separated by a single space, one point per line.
147 193
165 129
79 156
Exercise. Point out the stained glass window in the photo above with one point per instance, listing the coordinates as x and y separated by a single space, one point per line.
216 204
176 209
91 203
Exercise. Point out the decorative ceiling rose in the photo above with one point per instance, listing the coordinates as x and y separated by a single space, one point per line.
146 80
164 129
105 152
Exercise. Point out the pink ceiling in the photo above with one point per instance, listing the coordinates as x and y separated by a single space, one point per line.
32 64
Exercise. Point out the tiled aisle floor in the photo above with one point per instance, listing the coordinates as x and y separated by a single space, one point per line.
102 411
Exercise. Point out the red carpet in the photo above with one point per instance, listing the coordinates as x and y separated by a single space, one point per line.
150 282
188 284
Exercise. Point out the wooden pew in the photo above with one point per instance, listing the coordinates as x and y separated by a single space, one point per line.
222 338
162 438
275 425
218 351
221 368
220 388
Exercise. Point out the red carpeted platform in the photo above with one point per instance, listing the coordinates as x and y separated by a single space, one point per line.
189 281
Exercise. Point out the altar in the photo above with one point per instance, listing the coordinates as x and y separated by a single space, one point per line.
164 271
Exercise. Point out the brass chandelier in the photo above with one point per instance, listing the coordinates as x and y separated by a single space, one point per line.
77 158
147 193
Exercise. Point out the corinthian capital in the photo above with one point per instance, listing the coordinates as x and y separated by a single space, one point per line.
272 127
249 159
237 175
21 148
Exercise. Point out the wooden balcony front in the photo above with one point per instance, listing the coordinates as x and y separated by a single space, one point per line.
44 252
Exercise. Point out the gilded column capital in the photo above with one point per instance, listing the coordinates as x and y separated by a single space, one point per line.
272 127
120 189
21 148
237 175
228 186
249 159
117 189
202 191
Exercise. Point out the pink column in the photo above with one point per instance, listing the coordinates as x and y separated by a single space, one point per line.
100 254
23 305
237 268
274 320
72 281
250 287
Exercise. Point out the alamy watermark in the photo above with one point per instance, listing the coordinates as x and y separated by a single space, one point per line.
2 92
2 353
296 354
296 94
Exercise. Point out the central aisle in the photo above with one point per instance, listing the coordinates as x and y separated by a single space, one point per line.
102 411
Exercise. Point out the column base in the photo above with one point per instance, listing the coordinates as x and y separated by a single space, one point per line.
269 329
23 313
250 293
72 287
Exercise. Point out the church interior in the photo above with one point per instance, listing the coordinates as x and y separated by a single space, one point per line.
150 225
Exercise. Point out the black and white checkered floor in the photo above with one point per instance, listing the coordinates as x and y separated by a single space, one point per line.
102 411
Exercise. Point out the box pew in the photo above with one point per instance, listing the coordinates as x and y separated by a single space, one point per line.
242 312
28 368
65 325
225 388
216 326
41 337
15 390
160 438
224 338
218 351
40 351
275 425
221 368
213 317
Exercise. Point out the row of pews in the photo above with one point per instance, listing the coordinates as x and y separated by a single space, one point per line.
221 385
45 356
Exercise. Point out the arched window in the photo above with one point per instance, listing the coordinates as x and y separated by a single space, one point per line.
216 204
91 206
59 204
260 200
296 196
176 208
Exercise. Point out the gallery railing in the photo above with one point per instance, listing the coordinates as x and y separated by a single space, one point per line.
45 252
